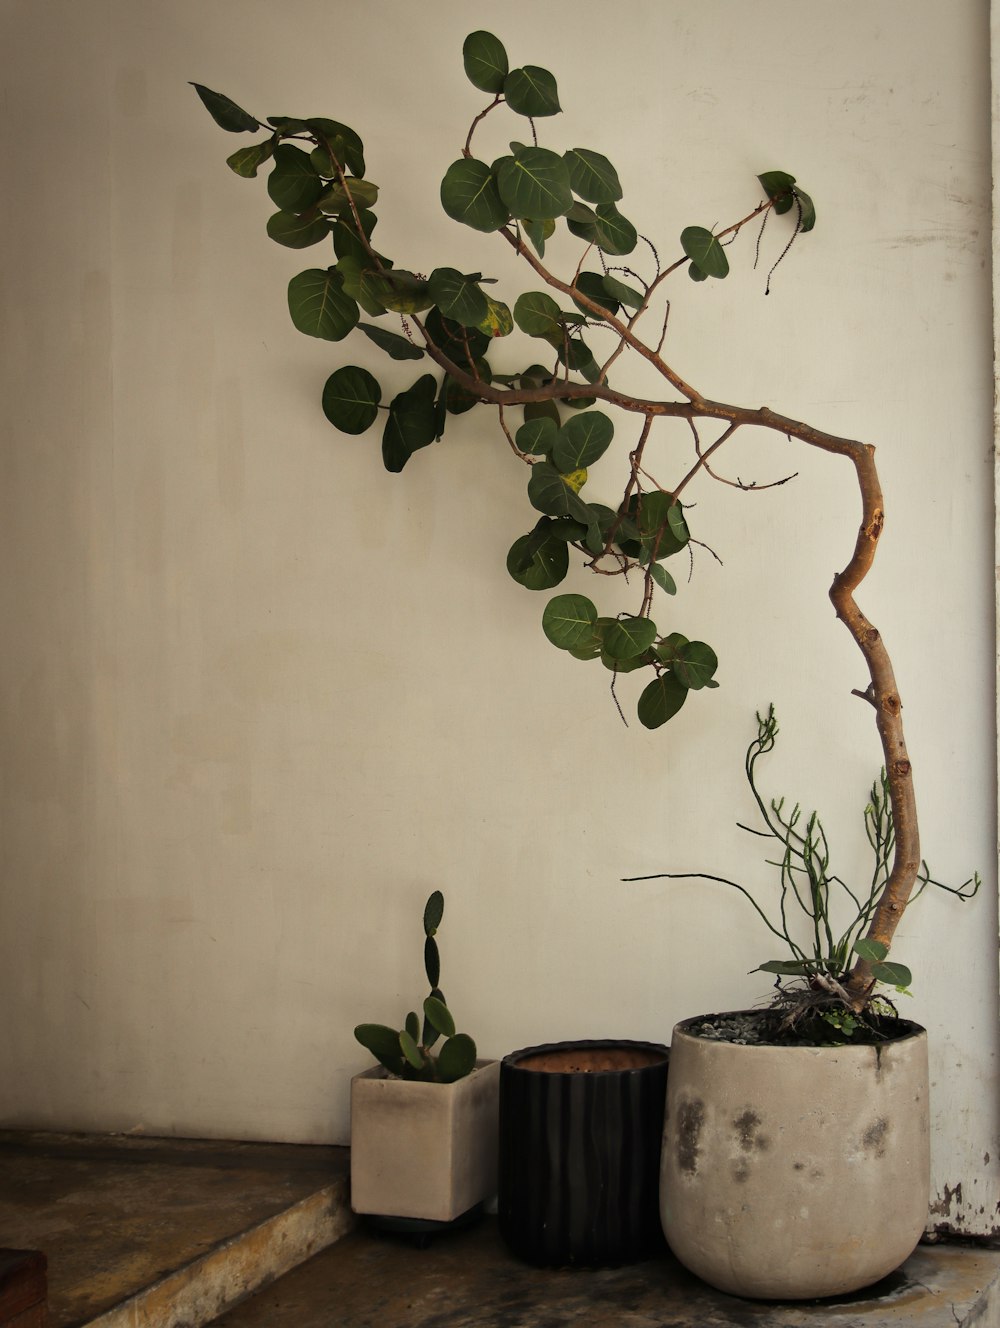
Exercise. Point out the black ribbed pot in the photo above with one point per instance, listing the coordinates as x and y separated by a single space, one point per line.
580 1151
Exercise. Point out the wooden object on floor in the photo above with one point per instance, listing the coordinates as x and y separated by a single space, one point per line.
23 1289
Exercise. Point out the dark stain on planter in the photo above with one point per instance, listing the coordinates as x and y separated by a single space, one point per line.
741 1173
874 1137
748 1128
690 1120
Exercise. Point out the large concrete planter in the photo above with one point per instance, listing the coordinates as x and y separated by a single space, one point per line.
421 1150
581 1125
795 1172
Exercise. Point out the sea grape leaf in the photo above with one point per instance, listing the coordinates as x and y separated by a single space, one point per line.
534 183
582 440
457 296
531 91
704 251
344 198
469 194
604 226
399 348
298 232
485 61
293 183
626 638
319 306
538 565
660 700
695 665
568 620
351 399
226 114
592 176
411 423
246 161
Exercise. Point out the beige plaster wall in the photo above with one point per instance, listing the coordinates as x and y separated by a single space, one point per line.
258 697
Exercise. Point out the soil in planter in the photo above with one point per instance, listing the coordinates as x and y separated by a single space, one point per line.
583 1060
770 1028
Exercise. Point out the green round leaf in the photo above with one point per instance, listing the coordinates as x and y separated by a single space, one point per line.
485 61
245 161
319 306
412 1025
896 975
457 296
411 424
808 219
457 1058
463 345
663 578
469 194
627 638
351 398
537 437
604 226
293 183
538 315
531 91
695 665
298 232
568 621
538 232
592 284
550 492
340 197
866 948
632 299
343 143
538 565
534 183
776 184
660 534
704 251
402 292
592 176
582 440
661 699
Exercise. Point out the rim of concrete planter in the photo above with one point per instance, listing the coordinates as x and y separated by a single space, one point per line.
424 1151
795 1172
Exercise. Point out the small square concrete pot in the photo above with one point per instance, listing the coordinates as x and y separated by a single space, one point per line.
422 1150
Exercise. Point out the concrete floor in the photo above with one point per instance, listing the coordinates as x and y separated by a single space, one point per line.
467 1280
123 1219
146 1233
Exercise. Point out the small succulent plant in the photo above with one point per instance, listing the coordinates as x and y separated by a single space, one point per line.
407 1053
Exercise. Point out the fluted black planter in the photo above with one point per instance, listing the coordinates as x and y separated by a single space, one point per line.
581 1126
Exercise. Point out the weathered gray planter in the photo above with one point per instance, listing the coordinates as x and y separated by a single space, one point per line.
422 1150
795 1172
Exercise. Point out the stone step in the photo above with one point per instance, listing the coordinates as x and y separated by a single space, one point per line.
165 1233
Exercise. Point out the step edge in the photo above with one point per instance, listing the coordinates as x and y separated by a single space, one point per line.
237 1267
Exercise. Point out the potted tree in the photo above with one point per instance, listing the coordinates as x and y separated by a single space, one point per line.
579 323
424 1120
